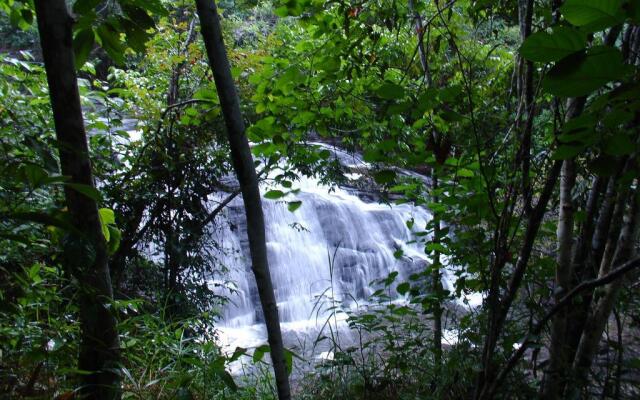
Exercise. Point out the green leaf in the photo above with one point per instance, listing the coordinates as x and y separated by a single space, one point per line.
84 6
294 205
34 174
136 37
390 278
114 239
82 45
258 353
274 194
565 152
593 15
110 41
154 6
228 381
288 359
465 173
603 166
139 16
86 190
289 8
107 217
633 8
548 47
384 176
206 93
237 353
582 73
435 247
403 288
619 145
390 91
27 16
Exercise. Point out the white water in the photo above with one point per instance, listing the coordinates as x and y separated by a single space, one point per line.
301 247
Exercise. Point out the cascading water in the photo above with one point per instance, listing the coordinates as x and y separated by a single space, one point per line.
335 239
302 244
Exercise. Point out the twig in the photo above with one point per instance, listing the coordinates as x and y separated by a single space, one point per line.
563 302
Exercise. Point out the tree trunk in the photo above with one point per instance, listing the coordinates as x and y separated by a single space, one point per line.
437 283
486 375
86 257
557 362
603 306
247 177
419 26
526 68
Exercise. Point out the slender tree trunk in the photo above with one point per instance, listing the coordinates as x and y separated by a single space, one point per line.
560 347
247 177
558 362
173 93
525 13
437 283
619 356
87 257
436 278
603 306
486 376
419 26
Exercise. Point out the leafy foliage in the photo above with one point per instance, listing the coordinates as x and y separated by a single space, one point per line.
465 108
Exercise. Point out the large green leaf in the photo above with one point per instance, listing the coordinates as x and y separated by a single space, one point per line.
548 47
274 194
294 205
85 6
593 15
136 36
384 176
139 16
582 73
114 239
154 6
619 144
82 45
107 217
111 43
633 9
390 91
86 190
259 352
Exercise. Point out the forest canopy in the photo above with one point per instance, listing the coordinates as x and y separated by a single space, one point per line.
420 199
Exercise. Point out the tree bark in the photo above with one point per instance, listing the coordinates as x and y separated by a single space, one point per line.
419 26
436 278
558 362
603 306
486 376
532 336
85 256
247 177
525 16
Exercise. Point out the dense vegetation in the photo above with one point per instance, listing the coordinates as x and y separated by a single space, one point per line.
127 126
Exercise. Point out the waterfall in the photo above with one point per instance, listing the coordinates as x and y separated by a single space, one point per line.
334 240
332 235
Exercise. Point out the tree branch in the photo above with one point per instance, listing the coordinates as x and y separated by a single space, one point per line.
563 302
